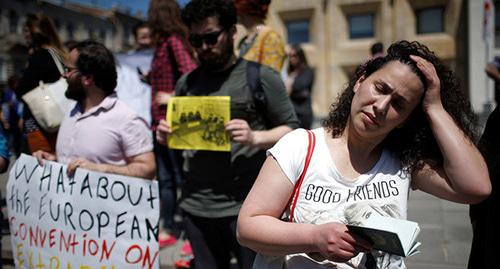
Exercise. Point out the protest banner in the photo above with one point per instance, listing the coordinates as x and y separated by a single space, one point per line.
129 87
198 122
90 220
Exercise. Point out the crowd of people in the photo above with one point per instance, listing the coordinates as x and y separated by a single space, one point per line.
402 119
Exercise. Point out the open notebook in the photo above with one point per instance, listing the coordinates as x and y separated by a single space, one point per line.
391 235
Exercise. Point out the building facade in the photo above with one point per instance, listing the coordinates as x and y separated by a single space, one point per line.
74 22
337 35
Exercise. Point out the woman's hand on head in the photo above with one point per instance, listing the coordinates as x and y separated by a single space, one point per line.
336 243
432 96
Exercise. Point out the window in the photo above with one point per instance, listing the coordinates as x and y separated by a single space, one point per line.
430 20
126 35
361 26
13 22
57 24
102 35
497 24
297 31
70 30
1 70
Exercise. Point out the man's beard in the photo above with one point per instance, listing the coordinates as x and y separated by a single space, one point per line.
75 91
218 63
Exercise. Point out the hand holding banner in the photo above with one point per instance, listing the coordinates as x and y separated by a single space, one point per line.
92 220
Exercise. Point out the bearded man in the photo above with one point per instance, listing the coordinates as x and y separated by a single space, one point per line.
216 183
100 133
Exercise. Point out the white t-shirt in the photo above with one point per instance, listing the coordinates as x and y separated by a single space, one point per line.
326 196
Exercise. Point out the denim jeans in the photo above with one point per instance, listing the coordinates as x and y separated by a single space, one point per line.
214 240
169 174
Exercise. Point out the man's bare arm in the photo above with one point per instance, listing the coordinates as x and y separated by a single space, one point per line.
142 165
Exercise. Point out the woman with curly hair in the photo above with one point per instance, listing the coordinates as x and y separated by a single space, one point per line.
261 44
402 122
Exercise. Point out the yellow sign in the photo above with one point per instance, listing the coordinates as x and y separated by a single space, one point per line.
198 122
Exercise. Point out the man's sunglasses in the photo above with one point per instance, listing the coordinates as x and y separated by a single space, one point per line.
68 69
209 39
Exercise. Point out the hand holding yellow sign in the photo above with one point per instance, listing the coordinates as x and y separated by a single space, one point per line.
198 122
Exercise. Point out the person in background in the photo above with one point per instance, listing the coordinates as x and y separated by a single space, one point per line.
12 112
172 57
377 50
261 44
483 216
402 122
142 36
216 183
492 70
4 153
131 67
299 84
41 36
4 165
70 44
100 133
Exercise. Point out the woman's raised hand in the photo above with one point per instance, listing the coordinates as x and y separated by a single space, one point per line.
432 96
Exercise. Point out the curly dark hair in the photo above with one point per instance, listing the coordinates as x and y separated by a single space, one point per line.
94 59
413 143
197 11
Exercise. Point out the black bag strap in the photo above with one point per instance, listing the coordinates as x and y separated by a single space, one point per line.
255 85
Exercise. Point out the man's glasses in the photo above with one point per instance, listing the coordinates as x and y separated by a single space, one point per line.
209 39
68 69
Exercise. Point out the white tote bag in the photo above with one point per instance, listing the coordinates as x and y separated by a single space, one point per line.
48 102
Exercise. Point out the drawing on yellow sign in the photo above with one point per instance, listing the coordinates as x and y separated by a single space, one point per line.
197 122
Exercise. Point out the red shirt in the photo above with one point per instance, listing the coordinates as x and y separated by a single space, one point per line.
171 59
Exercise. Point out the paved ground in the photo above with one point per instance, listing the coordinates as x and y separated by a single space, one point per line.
445 234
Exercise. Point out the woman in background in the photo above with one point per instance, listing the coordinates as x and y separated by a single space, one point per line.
261 44
172 57
299 83
42 38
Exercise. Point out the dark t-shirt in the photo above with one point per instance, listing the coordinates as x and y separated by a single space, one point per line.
301 96
218 182
41 67
486 233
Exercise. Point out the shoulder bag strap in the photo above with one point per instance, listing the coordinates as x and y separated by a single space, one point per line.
57 61
292 202
255 86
